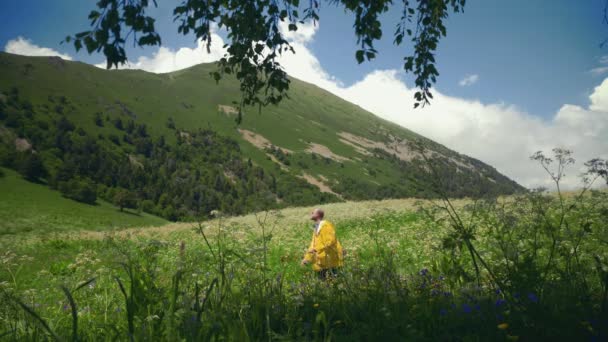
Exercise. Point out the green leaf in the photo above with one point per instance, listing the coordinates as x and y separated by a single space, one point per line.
359 55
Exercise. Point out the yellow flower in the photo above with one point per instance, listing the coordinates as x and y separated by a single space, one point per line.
512 338
503 326
316 305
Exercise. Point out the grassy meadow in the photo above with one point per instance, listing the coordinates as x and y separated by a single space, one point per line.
27 207
524 268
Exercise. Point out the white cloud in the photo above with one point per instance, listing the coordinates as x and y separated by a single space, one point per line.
304 34
599 70
468 80
499 134
603 68
168 60
25 47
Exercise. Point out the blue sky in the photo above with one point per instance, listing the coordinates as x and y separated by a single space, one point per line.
516 76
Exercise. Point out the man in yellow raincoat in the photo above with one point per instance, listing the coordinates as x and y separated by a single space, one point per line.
325 252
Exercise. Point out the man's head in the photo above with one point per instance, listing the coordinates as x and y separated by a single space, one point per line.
317 214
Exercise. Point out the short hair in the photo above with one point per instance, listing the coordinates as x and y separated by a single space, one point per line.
321 212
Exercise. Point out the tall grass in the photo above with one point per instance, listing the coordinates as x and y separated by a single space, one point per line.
532 267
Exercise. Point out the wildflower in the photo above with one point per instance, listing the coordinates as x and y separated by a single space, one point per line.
532 297
503 326
443 312
315 305
500 302
497 291
466 308
424 271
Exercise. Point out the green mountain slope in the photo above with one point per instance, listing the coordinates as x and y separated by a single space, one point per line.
175 135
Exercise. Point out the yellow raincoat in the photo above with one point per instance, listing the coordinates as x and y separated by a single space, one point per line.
329 251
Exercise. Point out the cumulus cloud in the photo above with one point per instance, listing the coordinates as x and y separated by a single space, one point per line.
499 134
25 47
468 80
167 60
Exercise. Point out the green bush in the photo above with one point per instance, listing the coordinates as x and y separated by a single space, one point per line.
125 199
81 190
148 206
30 166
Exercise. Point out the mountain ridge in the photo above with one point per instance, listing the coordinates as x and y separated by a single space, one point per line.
315 145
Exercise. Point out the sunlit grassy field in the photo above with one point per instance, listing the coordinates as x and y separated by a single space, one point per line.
27 207
409 275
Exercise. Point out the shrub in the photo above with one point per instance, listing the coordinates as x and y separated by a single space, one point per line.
125 199
81 190
147 206
115 139
31 167
98 119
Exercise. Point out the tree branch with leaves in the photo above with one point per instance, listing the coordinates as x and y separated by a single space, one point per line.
256 40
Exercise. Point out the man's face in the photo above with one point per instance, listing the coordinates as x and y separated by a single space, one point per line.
314 215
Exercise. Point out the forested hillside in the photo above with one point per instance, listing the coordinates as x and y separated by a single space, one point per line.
168 144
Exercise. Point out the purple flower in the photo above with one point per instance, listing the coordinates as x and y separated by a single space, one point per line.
424 271
532 297
443 312
500 302
477 307
466 308
447 293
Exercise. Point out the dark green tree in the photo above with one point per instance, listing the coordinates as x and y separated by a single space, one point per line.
31 167
125 199
98 119
81 190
